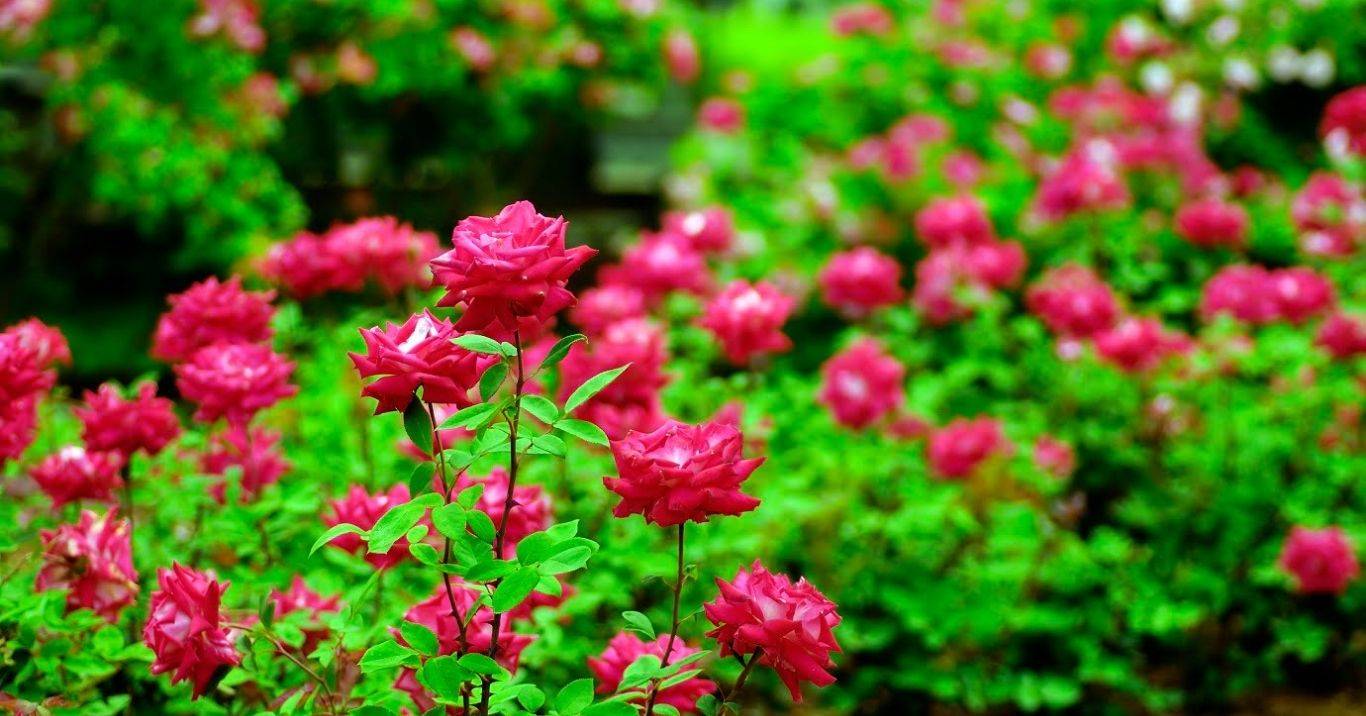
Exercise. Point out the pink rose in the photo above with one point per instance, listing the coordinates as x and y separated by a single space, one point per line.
92 560
721 115
747 319
1139 344
145 422
300 598
1054 456
363 510
953 221
682 472
74 473
1343 127
605 305
860 280
234 381
418 353
530 506
1321 561
1073 301
681 57
252 451
709 231
212 312
184 629
18 426
622 651
862 384
1211 223
959 448
1343 336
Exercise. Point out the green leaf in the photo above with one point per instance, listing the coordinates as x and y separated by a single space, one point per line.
482 526
583 430
546 445
418 424
574 697
563 530
421 479
444 675
644 668
591 387
531 697
639 623
560 350
492 379
471 418
481 664
371 710
490 569
419 637
394 524
610 708
387 655
476 343
424 553
679 678
449 520
515 588
334 532
267 612
665 710
541 408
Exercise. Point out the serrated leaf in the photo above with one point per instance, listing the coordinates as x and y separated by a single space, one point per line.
419 637
561 349
541 408
515 588
476 343
418 425
583 430
334 532
592 387
393 525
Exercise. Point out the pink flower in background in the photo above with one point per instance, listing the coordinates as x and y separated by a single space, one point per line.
48 345
721 115
636 342
234 381
1132 39
18 426
959 448
418 353
681 56
1321 561
1055 457
1211 223
998 264
1139 344
145 422
1330 213
680 472
860 280
1343 126
862 384
953 221
261 92
304 266
508 267
435 614
1343 336
238 20
355 65
950 281
747 319
253 451
710 230
19 17
184 628
1241 291
23 372
861 18
1087 179
1300 293
383 251
790 624
622 651
602 306
1072 301
74 473
659 265
363 510
474 47
963 169
1048 61
92 560
530 506
300 598
620 418
212 312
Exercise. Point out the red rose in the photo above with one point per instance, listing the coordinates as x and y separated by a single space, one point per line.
418 353
1073 301
1321 561
1211 223
211 312
1343 336
604 305
862 384
859 281
435 614
1139 344
747 319
953 221
658 265
18 426
508 267
1343 127
92 560
252 451
74 473
23 372
624 648
184 628
959 448
382 251
709 230
47 343
144 422
636 342
1241 291
682 472
234 381
791 623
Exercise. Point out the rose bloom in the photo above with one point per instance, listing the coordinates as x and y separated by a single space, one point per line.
363 510
721 115
234 381
709 230
1048 61
300 598
942 283
93 561
998 264
963 169
681 57
23 373
1331 213
659 265
1211 223
48 344
792 623
953 221
957 449
1072 301
253 451
605 305
1242 291
418 353
74 473
1343 127
145 422
530 506
304 266
682 472
19 17
184 628
624 648
636 342
747 319
862 384
381 251
1343 336
1301 294
1054 456
1321 561
476 49
1139 344
18 426
1085 180
860 280
212 312
508 267
862 18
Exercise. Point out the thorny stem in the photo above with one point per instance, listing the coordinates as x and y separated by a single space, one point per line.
447 487
673 631
508 503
